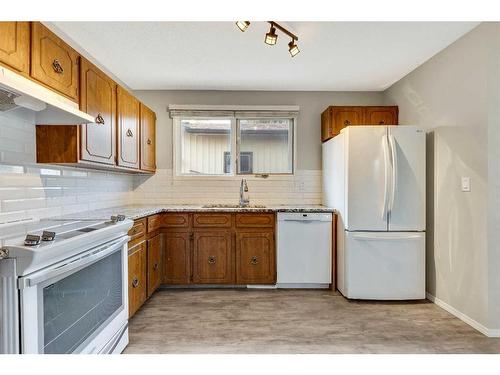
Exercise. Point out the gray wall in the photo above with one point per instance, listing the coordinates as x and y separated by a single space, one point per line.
311 105
448 96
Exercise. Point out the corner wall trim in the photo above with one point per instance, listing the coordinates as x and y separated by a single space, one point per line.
466 319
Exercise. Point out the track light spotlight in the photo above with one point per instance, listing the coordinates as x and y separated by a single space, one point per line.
243 25
292 48
271 37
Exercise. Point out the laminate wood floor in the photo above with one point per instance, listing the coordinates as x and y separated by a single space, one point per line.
295 321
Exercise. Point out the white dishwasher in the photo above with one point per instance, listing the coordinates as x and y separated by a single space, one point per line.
304 250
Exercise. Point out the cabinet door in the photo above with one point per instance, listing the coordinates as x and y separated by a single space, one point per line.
154 264
148 139
255 257
212 257
345 116
15 45
136 277
53 62
177 264
326 125
98 99
128 129
381 115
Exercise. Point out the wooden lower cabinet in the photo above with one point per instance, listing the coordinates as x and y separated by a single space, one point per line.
177 265
213 257
155 267
255 257
137 273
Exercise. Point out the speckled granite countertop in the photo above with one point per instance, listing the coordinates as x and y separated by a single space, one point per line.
139 211
17 231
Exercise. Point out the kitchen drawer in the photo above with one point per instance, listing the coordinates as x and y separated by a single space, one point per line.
212 220
138 231
154 223
53 62
180 220
255 220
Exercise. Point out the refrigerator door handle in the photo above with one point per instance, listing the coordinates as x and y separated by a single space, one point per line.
382 237
394 160
387 166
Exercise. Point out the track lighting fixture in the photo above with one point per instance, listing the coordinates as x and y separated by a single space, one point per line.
243 25
292 48
272 38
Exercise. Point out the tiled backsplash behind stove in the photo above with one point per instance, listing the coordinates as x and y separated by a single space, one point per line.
28 190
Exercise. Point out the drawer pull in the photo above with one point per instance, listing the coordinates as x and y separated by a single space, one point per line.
129 133
347 122
135 282
99 119
381 122
254 261
155 266
149 141
212 260
56 65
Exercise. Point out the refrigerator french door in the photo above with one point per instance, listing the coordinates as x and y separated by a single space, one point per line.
374 176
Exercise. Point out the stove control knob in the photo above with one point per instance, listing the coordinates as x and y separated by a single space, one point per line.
32 240
117 218
48 236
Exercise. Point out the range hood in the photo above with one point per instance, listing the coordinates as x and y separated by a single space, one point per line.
49 107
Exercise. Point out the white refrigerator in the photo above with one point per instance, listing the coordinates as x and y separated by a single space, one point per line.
374 176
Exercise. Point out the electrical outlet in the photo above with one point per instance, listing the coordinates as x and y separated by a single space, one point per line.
465 184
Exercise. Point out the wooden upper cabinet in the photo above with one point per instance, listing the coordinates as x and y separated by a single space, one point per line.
15 46
53 62
255 257
128 129
381 115
148 139
335 118
213 257
98 99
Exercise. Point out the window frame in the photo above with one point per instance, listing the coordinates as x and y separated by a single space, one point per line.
235 144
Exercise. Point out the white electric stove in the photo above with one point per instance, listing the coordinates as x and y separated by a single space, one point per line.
63 286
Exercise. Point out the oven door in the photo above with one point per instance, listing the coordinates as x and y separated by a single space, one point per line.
76 306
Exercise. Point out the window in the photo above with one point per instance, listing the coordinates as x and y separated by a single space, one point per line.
269 142
204 144
232 145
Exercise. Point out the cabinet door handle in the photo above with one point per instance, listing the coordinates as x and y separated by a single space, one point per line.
129 133
99 119
56 65
212 259
149 141
155 266
135 282
347 122
254 261
381 122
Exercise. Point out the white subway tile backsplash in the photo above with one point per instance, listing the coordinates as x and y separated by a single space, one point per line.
30 190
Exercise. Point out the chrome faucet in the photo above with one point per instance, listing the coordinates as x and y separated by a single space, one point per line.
244 201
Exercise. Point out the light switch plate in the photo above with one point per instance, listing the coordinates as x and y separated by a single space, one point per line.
465 184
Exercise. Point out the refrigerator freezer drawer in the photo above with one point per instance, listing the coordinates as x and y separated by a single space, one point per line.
383 265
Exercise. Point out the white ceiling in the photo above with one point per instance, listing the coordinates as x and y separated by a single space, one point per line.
217 56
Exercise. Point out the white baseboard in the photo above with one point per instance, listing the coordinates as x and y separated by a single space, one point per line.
465 318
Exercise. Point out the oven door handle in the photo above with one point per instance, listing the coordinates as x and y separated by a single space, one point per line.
75 264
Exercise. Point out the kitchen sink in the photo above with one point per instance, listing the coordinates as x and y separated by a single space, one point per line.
232 206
